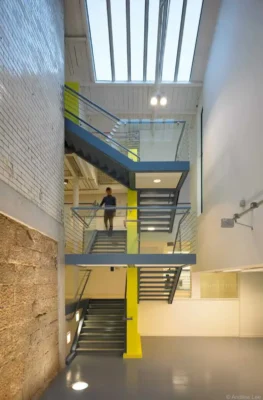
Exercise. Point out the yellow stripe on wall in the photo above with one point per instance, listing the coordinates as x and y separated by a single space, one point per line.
71 102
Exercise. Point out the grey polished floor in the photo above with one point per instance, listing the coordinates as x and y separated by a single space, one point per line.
172 368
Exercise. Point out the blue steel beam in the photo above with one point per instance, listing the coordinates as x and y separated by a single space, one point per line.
130 259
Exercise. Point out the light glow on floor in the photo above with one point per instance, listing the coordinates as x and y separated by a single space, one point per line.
80 386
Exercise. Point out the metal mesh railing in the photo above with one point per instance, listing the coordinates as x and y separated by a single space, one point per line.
185 240
85 225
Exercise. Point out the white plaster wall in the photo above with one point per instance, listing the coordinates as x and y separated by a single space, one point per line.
189 317
251 304
233 140
241 317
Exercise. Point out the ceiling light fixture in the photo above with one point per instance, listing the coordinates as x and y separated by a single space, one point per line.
151 228
158 99
163 101
157 180
80 385
154 101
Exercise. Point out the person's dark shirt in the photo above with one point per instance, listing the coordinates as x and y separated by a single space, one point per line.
109 201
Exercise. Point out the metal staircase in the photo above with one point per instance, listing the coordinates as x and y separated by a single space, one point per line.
103 151
104 328
106 242
158 284
160 220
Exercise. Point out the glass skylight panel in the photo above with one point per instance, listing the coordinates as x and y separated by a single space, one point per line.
100 38
152 39
137 41
172 36
119 33
192 18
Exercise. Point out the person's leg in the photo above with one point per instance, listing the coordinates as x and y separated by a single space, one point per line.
106 221
111 223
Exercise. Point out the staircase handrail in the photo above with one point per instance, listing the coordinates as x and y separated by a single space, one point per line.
178 232
179 141
94 105
102 133
87 276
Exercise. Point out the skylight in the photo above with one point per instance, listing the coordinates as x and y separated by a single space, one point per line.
143 40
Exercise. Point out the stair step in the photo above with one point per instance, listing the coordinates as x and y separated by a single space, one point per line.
104 306
103 340
101 345
106 329
107 251
102 335
103 323
151 295
85 350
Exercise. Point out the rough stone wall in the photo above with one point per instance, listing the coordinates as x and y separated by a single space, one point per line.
29 357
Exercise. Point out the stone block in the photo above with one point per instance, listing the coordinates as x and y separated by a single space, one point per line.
7 273
45 306
46 291
11 379
47 319
7 236
18 255
25 274
46 275
47 261
6 317
7 295
25 294
50 329
23 237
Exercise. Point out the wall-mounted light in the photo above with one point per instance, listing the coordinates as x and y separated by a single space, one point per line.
77 316
65 182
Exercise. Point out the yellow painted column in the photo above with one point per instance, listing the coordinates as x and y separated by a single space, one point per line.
72 102
134 348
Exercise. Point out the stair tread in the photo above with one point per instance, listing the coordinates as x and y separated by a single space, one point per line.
102 349
101 341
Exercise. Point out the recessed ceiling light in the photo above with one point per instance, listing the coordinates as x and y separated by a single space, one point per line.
157 180
80 385
151 228
163 101
154 101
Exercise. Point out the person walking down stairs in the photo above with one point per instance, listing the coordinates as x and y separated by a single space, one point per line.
109 201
